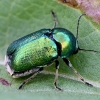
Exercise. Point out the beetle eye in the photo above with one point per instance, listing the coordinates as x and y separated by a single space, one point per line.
76 51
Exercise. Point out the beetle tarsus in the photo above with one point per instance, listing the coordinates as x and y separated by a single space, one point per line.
55 84
56 76
30 78
88 84
20 87
75 71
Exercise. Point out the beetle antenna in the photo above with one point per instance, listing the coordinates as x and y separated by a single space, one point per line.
78 25
55 18
77 36
89 50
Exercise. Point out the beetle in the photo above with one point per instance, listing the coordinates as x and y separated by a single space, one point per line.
31 53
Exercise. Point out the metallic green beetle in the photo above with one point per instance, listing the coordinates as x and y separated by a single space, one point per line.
31 53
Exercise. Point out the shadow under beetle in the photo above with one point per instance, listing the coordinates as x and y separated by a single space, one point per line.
29 54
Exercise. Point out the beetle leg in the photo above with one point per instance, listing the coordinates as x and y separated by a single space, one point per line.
56 76
55 19
75 71
30 78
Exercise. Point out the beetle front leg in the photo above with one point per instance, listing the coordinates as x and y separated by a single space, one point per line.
56 76
30 78
75 71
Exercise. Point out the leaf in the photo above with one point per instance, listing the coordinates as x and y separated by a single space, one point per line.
4 82
21 17
90 7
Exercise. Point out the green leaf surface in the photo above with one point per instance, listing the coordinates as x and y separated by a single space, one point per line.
21 17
